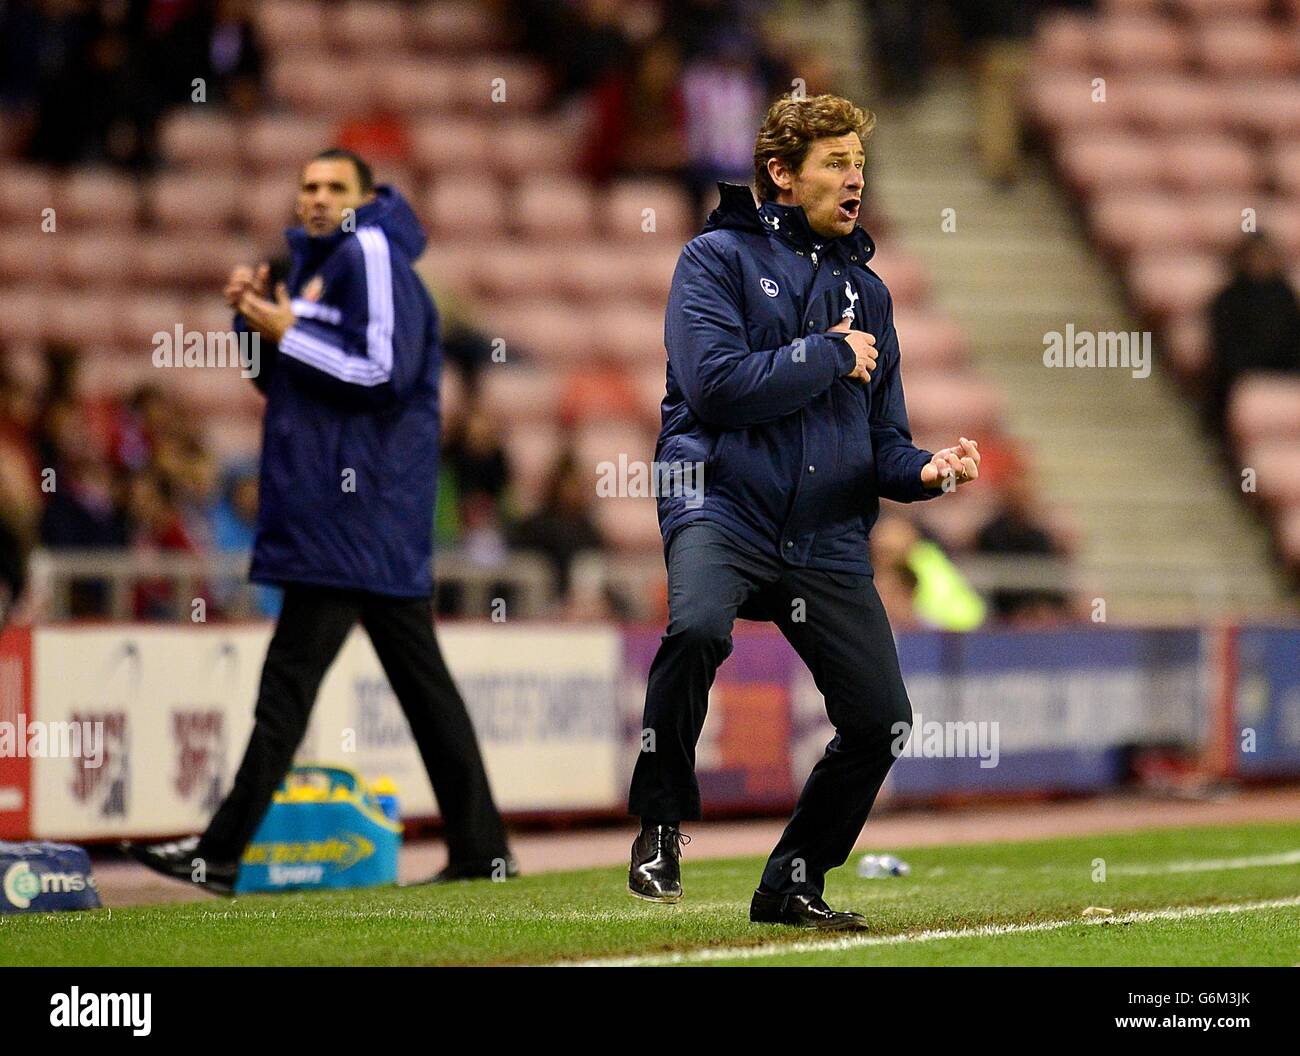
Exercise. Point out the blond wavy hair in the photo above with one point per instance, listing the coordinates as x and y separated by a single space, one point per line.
791 126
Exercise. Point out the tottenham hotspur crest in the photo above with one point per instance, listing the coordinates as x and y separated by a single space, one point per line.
851 311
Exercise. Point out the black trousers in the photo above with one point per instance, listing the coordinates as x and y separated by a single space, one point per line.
312 628
838 626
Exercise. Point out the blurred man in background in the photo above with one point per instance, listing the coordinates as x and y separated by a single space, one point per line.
345 519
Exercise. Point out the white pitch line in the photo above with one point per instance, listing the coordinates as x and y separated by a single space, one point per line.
1208 865
854 942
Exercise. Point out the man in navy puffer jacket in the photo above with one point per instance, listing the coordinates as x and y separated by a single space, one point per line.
350 367
784 385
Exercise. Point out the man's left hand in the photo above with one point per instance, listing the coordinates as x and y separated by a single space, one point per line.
959 464
271 319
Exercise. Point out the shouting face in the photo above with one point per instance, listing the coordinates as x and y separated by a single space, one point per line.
828 184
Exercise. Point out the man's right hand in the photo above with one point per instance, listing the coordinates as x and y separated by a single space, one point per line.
244 279
864 349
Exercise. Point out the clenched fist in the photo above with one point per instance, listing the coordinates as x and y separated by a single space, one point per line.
864 349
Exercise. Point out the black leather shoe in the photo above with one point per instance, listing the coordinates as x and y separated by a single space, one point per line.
179 860
487 869
656 872
802 911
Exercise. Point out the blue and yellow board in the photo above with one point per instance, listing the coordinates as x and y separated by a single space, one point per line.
324 829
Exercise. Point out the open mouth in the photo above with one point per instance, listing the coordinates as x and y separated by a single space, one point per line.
849 207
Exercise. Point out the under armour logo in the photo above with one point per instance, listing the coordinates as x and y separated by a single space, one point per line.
774 222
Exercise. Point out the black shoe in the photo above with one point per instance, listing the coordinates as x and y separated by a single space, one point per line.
180 860
802 911
656 872
487 869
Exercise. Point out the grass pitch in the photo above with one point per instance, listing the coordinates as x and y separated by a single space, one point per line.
1203 896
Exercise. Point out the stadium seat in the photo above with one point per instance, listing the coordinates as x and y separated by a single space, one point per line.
287 23
194 137
1277 471
368 25
468 206
1171 284
1209 162
626 203
1125 42
451 25
1112 160
186 201
1234 48
452 144
548 208
1265 407
286 141
98 198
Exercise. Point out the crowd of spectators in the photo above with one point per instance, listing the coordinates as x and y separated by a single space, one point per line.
86 81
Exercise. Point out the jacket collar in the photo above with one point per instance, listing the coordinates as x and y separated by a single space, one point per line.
737 211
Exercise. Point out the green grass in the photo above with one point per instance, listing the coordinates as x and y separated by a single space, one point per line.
588 914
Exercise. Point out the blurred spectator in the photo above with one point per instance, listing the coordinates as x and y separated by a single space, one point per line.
234 527
157 527
1254 323
997 32
563 527
724 98
234 56
86 82
916 569
1015 530
638 125
476 455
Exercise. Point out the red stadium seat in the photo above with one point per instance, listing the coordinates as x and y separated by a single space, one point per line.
186 201
1277 471
452 25
193 136
555 208
287 23
286 141
1143 42
1093 163
626 203
99 198
466 205
1169 103
1288 536
525 147
452 145
1265 407
368 25
1209 162
1236 48
28 255
1173 284
1140 221
29 189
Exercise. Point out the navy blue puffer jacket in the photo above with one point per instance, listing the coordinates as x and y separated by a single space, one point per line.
796 456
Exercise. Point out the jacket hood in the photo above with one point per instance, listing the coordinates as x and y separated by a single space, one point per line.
388 211
737 211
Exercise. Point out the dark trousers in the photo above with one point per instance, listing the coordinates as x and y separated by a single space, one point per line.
838 626
312 628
